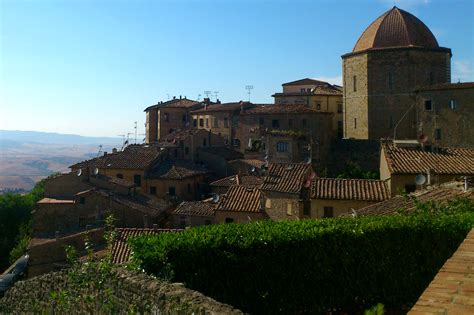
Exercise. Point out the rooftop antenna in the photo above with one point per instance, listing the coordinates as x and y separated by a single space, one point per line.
249 89
207 93
168 96
199 97
100 150
135 132
216 93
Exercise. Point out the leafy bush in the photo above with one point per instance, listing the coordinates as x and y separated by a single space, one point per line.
309 266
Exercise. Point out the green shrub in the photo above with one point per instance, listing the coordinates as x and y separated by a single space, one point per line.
309 266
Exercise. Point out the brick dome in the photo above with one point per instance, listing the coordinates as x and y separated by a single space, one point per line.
396 28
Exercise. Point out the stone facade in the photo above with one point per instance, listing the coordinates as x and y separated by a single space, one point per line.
445 114
379 89
65 186
322 208
238 217
185 189
284 206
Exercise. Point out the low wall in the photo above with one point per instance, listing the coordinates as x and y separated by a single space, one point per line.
128 289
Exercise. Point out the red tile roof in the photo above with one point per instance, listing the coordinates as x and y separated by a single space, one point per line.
247 180
286 177
349 189
396 28
204 208
281 109
456 161
241 199
235 106
176 169
178 135
448 86
306 81
250 162
175 103
134 156
452 289
121 250
437 194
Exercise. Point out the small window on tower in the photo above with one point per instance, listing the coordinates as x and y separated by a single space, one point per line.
428 105
438 134
167 117
453 104
339 108
355 123
318 106
354 81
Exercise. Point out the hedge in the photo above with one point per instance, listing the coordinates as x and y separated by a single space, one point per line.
309 266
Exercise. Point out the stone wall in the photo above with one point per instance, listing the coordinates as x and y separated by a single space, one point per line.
128 289
65 186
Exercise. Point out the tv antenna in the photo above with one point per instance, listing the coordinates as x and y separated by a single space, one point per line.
207 93
249 89
216 93
135 132
168 96
199 97
100 150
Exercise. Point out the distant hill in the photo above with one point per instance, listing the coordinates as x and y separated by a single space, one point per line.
12 137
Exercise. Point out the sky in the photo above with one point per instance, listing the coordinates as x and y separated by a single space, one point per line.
91 67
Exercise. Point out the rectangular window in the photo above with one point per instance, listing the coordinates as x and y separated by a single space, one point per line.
307 208
226 122
137 179
354 81
302 90
166 117
172 191
236 142
428 105
201 122
152 190
207 123
120 176
268 203
453 104
229 220
438 134
275 123
282 146
261 121
339 108
410 188
328 212
216 122
318 106
289 208
355 123
195 122
82 200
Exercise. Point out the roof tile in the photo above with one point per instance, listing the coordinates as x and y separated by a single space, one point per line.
349 189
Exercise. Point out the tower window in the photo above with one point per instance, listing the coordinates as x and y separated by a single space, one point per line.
438 134
282 146
318 106
453 104
428 105
355 123
339 108
167 117
354 81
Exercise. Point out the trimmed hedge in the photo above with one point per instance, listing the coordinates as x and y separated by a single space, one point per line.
309 266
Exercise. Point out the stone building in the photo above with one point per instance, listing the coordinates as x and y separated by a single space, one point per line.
261 128
401 163
193 213
165 117
318 95
396 54
331 197
184 143
221 119
286 191
217 159
244 166
445 114
240 205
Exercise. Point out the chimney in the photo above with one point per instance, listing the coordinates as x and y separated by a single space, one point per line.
218 101
105 153
174 97
114 150
180 97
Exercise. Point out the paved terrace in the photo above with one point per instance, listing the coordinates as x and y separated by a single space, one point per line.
452 289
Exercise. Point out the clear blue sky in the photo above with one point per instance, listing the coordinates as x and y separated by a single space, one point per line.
91 67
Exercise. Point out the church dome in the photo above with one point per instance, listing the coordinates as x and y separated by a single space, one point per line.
396 28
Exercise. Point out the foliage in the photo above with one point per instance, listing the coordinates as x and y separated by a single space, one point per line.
311 266
376 310
291 133
353 170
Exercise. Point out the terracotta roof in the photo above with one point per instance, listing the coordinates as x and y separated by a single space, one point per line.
396 28
178 135
403 160
250 162
120 248
349 189
438 194
235 106
452 289
447 86
223 152
247 180
240 199
306 81
175 103
52 200
286 177
204 208
134 156
281 109
176 169
116 180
